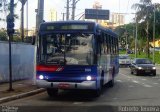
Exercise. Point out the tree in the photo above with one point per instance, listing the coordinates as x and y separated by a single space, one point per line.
144 14
3 35
3 7
125 31
157 24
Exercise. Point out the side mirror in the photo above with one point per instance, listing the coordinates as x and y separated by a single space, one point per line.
33 40
133 63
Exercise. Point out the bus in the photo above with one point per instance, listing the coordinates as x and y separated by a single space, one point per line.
76 55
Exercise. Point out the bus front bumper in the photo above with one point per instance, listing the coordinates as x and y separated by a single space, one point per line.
66 85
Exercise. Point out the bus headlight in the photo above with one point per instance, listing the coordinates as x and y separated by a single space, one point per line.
139 68
41 77
89 78
154 68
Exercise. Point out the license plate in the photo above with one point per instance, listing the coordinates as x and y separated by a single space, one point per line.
63 86
147 71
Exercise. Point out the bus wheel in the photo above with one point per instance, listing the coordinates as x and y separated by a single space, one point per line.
111 83
154 74
102 80
96 93
52 92
131 72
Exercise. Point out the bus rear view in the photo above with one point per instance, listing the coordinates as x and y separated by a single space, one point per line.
67 57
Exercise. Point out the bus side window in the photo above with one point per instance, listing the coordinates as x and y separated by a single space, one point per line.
113 41
104 45
99 45
109 44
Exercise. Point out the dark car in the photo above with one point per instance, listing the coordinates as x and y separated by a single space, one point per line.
142 66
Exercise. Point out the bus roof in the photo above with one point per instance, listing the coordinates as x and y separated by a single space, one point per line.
95 25
70 21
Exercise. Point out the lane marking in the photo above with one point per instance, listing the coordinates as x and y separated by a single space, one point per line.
147 85
135 81
119 80
155 83
131 86
155 77
126 76
142 84
77 103
115 98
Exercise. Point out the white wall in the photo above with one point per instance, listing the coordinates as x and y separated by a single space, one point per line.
23 61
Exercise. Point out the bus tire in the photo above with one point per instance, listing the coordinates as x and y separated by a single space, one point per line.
136 72
131 72
52 92
154 74
111 82
102 80
96 93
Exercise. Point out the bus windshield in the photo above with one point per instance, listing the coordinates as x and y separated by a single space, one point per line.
68 49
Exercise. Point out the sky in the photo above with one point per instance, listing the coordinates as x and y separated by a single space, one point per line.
119 6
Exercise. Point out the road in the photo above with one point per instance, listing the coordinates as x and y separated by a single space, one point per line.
129 90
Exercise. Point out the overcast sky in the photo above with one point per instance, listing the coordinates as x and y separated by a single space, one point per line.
122 6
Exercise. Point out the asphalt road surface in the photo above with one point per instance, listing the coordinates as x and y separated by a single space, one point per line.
129 90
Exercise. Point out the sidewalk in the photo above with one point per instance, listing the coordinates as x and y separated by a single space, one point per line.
21 88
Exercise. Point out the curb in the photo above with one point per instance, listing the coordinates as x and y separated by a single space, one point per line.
15 97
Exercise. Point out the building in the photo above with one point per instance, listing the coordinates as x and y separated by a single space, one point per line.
157 43
97 5
52 15
32 32
117 19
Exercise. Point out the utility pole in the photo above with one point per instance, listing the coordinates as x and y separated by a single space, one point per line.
51 15
10 31
136 37
154 34
63 15
148 53
67 10
27 16
126 34
147 34
73 9
39 16
22 19
74 2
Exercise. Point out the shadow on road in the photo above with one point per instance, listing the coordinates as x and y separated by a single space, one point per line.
75 95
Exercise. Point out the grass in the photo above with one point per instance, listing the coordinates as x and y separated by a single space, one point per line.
143 55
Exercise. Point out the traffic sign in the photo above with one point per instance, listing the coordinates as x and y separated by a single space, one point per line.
97 14
10 24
